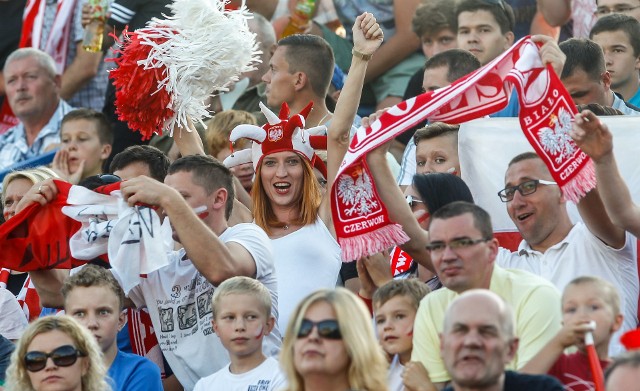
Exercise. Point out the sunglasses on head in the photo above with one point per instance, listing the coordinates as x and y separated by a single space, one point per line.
64 356
328 329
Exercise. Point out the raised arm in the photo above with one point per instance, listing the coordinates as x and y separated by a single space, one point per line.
82 69
367 37
214 259
403 43
555 12
398 209
595 139
570 335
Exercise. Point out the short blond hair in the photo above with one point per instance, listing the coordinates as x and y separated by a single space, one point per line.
35 175
220 126
412 288
610 294
241 285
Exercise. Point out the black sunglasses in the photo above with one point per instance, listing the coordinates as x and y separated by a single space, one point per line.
328 329
63 356
108 179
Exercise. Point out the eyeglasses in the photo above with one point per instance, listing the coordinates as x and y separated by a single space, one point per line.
328 329
412 201
63 356
618 9
525 188
455 244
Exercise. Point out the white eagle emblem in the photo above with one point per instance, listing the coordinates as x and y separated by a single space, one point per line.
557 141
275 133
357 193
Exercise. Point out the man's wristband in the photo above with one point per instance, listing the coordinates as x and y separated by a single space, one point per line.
362 56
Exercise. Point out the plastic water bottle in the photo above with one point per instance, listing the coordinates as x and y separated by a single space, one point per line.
92 39
299 20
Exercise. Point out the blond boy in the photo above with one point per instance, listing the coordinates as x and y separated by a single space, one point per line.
241 309
584 299
395 305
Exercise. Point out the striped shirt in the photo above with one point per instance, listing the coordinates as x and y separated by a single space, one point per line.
13 143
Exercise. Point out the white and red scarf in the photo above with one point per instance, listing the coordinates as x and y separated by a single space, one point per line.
361 220
28 298
57 43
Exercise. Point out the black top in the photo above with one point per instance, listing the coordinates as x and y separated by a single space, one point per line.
514 381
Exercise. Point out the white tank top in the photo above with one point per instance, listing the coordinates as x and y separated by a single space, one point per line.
306 260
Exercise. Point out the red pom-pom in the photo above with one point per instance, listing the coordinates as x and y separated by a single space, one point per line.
631 339
139 102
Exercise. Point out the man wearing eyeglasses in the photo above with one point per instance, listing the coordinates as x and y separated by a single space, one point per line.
558 250
463 251
628 7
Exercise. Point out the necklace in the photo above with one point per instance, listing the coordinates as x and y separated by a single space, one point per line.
323 118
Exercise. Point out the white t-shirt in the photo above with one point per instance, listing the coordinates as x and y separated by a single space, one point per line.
178 298
306 260
395 374
407 165
582 254
12 318
264 377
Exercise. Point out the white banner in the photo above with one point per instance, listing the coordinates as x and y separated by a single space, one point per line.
486 146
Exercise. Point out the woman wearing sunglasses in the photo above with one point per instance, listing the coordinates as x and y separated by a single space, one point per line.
56 352
329 345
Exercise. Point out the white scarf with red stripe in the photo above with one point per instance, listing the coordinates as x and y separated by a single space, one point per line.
361 221
57 43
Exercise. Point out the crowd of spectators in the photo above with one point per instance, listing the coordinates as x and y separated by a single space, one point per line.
250 291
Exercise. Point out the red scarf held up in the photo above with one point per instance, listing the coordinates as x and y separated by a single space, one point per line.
361 221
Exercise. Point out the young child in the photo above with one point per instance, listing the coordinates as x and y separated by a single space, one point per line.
394 308
241 309
86 138
585 299
217 141
95 299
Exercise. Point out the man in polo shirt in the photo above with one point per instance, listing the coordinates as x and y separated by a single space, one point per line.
463 252
558 250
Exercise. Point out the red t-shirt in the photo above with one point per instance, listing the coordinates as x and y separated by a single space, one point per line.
574 372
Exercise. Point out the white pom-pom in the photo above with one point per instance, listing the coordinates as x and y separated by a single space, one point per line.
206 49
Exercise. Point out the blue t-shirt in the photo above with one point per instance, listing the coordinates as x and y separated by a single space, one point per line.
635 99
130 372
512 109
6 348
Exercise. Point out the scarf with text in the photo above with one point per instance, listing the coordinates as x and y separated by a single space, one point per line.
361 220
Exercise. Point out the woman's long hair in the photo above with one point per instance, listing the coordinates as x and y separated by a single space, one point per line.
92 380
310 199
367 367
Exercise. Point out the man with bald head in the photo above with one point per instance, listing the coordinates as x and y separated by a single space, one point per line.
624 373
478 342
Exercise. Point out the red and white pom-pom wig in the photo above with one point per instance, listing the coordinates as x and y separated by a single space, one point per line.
281 133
